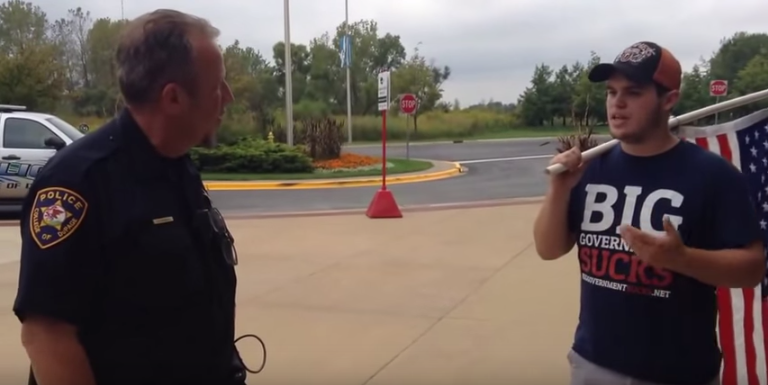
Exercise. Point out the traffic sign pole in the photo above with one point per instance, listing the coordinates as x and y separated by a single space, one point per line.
717 115
407 138
384 150
408 107
383 204
384 107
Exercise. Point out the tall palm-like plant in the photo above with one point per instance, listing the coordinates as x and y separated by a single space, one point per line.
583 135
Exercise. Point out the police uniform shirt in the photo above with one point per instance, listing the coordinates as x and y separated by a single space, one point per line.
646 322
118 241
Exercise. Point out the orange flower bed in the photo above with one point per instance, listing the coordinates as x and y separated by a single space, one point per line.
347 160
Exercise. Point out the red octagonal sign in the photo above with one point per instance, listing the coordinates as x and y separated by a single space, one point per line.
718 88
408 104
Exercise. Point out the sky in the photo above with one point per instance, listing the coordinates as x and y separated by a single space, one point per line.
492 46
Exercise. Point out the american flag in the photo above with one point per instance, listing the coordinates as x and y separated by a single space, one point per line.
743 315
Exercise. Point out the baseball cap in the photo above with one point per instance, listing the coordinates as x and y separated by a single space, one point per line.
643 62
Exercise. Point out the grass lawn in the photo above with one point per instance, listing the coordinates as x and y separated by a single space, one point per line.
521 133
399 166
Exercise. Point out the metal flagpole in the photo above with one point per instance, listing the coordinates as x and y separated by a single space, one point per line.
288 73
348 48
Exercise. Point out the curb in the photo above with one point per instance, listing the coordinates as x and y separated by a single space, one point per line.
460 141
405 209
456 169
229 216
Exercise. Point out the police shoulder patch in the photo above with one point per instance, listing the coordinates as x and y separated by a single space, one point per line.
56 214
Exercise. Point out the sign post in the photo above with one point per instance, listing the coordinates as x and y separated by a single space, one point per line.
408 107
383 204
345 52
718 88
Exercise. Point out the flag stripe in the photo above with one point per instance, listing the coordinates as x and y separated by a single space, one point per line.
731 301
725 310
740 311
749 330
748 308
764 371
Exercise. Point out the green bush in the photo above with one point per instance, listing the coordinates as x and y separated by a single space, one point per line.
252 156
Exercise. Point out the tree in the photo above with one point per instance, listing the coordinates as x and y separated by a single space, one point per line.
422 79
370 54
30 73
734 54
253 80
741 60
538 100
695 91
67 65
753 78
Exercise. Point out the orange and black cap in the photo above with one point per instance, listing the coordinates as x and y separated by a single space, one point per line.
644 63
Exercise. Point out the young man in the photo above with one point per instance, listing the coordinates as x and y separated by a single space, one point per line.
659 223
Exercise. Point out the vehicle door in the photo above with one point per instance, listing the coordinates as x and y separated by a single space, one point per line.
22 153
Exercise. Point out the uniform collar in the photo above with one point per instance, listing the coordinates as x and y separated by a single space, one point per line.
143 153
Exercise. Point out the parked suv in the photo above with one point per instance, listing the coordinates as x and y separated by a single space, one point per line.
27 141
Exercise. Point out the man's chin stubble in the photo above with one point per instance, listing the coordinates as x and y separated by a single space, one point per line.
628 138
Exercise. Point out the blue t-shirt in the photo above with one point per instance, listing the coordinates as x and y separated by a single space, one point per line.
649 323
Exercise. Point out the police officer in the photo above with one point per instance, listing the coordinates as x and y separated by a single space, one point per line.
127 271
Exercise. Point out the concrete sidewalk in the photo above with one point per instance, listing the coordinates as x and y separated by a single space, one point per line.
443 297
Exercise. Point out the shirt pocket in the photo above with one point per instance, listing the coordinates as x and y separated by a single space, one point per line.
159 266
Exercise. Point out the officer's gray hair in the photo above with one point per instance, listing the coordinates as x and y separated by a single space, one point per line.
156 49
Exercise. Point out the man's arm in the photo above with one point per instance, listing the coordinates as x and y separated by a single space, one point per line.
55 352
58 278
552 230
734 258
734 268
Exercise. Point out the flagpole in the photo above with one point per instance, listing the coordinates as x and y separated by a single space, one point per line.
288 70
348 47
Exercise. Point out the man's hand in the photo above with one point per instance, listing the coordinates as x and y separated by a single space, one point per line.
662 251
574 169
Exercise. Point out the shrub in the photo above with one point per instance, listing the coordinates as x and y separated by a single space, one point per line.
249 155
581 138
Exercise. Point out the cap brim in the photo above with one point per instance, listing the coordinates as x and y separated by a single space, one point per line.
601 72
604 71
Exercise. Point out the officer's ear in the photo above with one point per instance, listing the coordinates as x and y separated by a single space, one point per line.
174 98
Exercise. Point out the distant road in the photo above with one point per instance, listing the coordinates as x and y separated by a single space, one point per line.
498 169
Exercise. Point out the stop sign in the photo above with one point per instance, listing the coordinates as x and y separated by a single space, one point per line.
408 104
718 88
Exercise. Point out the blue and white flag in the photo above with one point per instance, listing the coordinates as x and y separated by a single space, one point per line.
345 51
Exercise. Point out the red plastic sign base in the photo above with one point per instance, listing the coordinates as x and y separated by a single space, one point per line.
383 205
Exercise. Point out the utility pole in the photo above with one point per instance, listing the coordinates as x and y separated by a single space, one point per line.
349 83
288 74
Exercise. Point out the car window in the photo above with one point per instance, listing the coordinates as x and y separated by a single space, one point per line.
68 130
25 133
